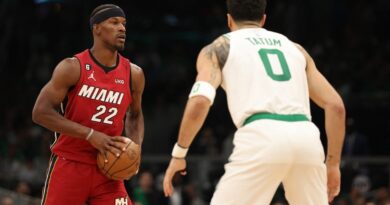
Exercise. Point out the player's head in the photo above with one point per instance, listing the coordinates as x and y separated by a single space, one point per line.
108 25
246 11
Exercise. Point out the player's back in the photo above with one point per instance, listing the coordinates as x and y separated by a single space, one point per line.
264 73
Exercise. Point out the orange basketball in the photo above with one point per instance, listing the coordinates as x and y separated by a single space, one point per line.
123 167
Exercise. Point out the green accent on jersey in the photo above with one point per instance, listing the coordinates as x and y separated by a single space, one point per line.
264 41
196 88
273 116
286 75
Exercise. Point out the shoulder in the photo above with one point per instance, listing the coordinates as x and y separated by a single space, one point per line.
310 64
136 70
304 52
299 47
137 77
135 67
219 43
218 50
67 70
70 63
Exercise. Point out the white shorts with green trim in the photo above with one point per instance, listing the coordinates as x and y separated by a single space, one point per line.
269 152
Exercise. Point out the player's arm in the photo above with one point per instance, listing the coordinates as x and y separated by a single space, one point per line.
45 113
325 96
210 62
134 123
65 75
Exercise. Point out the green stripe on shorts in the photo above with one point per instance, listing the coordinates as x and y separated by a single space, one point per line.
273 116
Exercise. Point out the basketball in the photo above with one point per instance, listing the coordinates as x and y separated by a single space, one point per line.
123 167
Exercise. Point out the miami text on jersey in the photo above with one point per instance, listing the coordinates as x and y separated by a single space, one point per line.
101 94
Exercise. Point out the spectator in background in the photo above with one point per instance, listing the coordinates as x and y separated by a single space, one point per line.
208 142
177 195
356 143
23 188
28 173
146 193
342 200
7 200
362 184
382 196
207 146
191 195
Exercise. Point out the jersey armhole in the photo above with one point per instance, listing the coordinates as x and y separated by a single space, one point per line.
81 76
228 37
130 79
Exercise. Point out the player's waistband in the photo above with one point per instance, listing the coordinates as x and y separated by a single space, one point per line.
273 116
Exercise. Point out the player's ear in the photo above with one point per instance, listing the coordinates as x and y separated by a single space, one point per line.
229 21
262 21
96 28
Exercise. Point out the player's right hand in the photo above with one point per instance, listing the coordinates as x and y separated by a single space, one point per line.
174 166
333 172
103 143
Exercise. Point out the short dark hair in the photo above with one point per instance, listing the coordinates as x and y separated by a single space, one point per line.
246 10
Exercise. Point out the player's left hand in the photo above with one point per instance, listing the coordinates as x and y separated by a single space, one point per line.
334 176
175 165
120 142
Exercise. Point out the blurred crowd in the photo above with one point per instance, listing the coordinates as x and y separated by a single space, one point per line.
346 38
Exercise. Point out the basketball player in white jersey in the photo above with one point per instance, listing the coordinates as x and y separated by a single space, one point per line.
268 80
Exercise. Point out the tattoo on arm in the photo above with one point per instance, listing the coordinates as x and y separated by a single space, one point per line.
218 52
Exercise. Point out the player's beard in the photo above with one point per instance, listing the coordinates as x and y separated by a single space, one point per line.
120 46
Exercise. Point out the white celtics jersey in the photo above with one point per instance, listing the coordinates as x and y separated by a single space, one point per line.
264 73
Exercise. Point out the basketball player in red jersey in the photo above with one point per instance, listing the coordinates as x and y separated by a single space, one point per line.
103 91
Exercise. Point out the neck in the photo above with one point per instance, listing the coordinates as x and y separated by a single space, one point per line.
247 24
104 56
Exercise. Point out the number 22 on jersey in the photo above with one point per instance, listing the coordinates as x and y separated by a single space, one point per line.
101 109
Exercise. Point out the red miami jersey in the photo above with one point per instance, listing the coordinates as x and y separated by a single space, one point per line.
99 100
